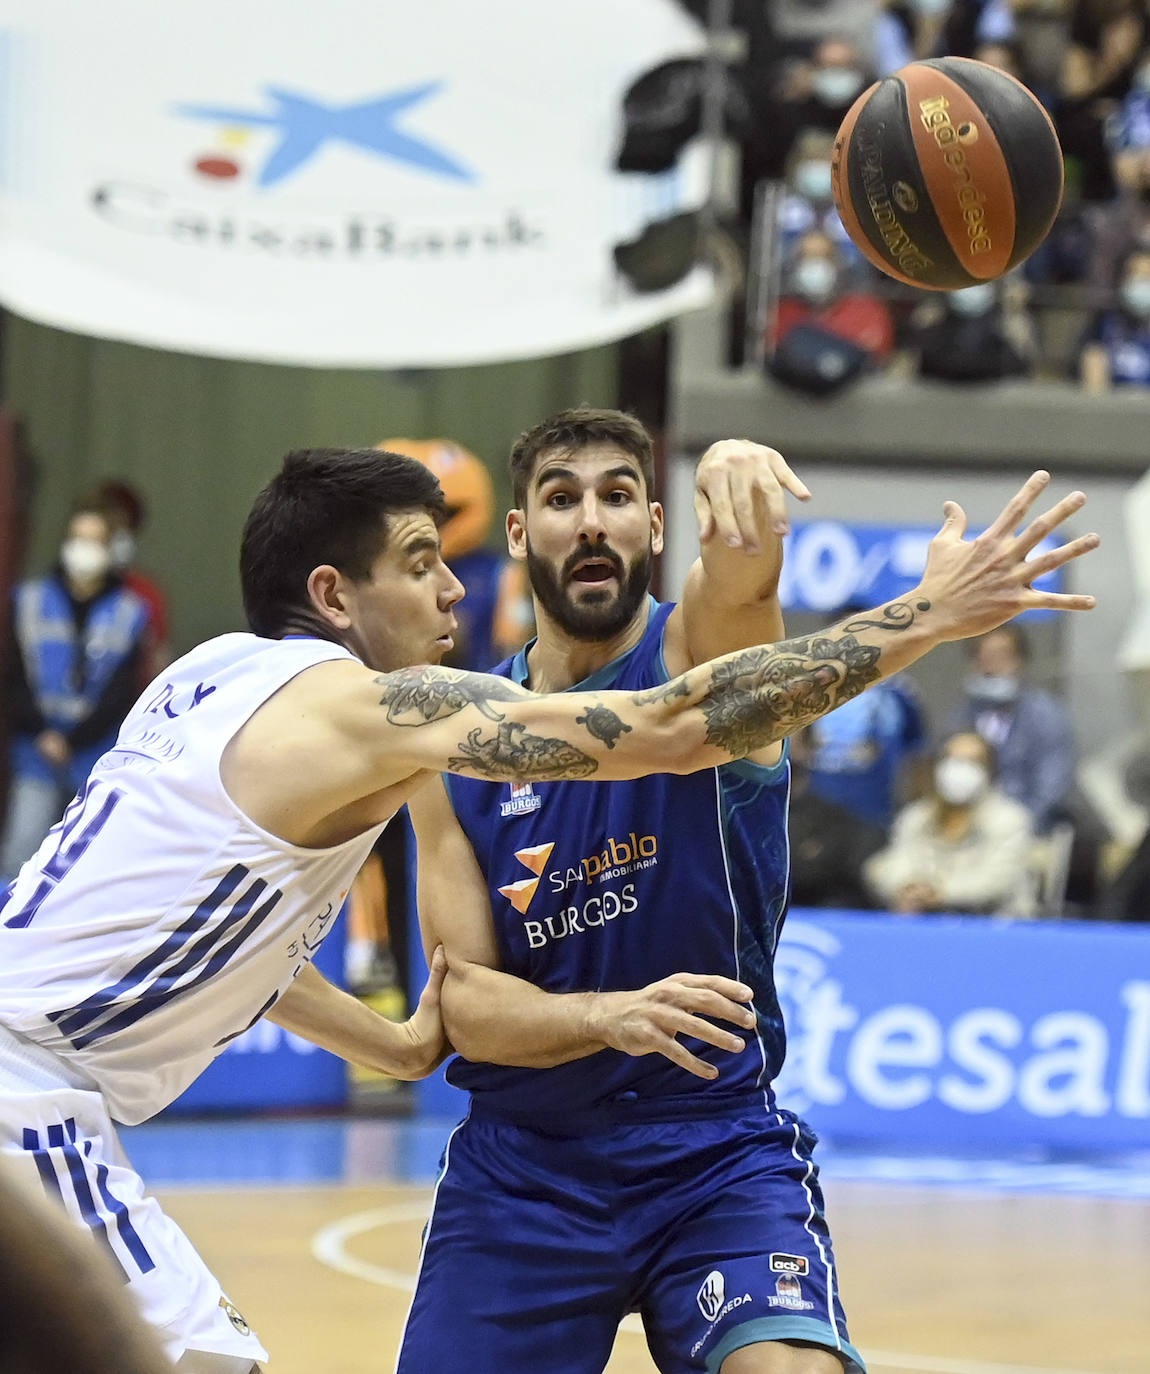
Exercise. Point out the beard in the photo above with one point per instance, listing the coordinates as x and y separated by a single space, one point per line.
601 613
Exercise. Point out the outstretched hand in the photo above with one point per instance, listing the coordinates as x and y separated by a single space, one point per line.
975 585
741 494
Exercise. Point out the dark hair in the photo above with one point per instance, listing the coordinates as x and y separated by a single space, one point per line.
326 505
125 500
578 428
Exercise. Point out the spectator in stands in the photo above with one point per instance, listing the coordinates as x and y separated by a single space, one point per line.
127 511
982 333
964 848
1125 226
808 203
1107 41
829 844
816 92
856 754
1029 728
72 673
825 332
907 30
1116 349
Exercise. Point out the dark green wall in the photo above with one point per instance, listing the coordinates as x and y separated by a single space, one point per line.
199 436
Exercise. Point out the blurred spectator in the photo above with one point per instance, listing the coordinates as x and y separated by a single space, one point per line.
825 333
816 93
808 203
856 754
1107 41
982 333
127 511
907 30
963 848
72 673
1125 226
1116 349
1029 729
829 844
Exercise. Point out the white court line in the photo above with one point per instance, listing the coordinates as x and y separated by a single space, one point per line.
329 1247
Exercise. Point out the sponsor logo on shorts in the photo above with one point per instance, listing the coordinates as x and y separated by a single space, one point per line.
720 1311
789 1294
789 1264
711 1295
235 1317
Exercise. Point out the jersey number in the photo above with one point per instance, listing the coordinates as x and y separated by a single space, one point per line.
87 814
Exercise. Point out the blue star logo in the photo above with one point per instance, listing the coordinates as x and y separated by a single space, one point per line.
307 124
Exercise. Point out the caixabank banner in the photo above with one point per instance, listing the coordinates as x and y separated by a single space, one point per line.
967 1033
360 183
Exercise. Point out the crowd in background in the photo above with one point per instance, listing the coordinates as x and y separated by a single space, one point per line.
1079 308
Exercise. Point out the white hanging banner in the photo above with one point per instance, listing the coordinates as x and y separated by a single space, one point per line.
357 183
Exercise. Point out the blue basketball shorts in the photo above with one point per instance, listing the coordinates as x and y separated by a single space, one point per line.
540 1242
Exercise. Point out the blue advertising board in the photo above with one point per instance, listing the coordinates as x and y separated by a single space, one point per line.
830 564
268 1068
958 1033
966 1032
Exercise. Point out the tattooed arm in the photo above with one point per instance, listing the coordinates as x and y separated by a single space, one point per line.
340 747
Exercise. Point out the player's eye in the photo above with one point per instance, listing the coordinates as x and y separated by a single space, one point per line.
619 497
560 500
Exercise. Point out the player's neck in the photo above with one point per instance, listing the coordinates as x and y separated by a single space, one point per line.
557 661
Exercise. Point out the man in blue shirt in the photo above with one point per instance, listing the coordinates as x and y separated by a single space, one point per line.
623 1152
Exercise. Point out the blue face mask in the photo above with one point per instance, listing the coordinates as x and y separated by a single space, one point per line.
992 689
836 85
1136 297
813 180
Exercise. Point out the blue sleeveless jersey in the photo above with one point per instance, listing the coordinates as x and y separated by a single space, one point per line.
609 886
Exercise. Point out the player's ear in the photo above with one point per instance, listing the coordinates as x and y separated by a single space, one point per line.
657 527
327 592
517 535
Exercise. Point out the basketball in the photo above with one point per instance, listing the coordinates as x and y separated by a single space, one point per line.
947 173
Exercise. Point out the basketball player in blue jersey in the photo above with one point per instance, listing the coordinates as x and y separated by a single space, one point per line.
622 1151
189 884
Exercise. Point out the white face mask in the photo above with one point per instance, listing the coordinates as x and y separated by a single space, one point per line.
813 180
973 300
84 559
122 549
997 689
1136 297
960 781
836 85
815 279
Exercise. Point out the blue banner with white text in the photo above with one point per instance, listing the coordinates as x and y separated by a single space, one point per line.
967 1033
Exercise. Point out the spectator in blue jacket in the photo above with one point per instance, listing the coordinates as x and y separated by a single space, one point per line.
1029 729
72 673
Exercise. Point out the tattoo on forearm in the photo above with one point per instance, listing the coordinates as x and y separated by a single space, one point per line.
761 694
604 724
512 755
677 687
416 696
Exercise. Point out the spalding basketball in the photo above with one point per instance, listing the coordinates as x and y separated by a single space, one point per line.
947 173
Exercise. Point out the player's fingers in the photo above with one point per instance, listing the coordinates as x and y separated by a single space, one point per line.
790 479
1059 601
1049 520
1014 512
680 1022
704 1002
703 516
429 997
679 1054
726 987
953 521
1056 558
718 493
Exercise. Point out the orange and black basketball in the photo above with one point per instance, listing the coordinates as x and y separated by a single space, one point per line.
947 173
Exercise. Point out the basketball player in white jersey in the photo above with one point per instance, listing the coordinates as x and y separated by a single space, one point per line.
189 884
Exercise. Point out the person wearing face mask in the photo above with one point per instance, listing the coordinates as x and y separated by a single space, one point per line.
808 203
127 512
1117 349
973 336
964 848
1029 728
72 672
825 332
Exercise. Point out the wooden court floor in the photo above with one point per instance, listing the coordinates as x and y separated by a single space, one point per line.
935 1281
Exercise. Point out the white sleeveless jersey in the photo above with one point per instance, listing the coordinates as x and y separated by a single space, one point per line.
157 922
